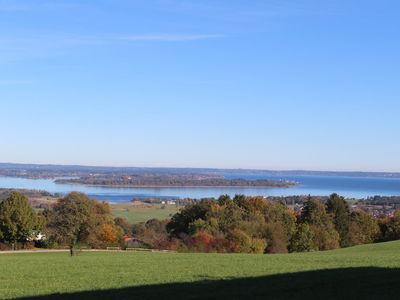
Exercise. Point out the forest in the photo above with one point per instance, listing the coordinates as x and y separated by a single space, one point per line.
242 225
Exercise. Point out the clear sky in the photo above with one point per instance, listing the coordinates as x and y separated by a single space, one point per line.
267 84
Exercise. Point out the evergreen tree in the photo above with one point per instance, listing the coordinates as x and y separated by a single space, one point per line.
339 209
314 214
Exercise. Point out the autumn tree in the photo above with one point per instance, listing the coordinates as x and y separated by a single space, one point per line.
392 230
100 223
153 233
203 242
123 224
363 228
78 219
108 234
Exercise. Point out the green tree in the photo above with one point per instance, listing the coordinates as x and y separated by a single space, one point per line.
280 227
239 200
303 239
246 244
224 199
181 221
314 214
339 209
18 221
199 225
224 217
68 220
364 229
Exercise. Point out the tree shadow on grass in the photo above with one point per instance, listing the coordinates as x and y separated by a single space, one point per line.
349 283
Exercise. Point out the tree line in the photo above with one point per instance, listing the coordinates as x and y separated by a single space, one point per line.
239 224
73 220
382 200
255 225
172 180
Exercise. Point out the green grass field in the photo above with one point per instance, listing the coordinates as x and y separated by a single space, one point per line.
363 272
135 214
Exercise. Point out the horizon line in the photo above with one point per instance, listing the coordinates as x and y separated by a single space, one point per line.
199 168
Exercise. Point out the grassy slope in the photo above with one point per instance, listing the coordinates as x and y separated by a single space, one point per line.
142 214
47 273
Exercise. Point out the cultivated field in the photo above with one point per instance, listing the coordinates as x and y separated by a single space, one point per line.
363 272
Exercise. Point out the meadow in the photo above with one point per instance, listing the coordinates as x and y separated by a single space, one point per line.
367 271
141 213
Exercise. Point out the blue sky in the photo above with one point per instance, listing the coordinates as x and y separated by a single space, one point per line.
294 84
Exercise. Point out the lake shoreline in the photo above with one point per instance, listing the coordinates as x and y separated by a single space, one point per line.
356 188
178 187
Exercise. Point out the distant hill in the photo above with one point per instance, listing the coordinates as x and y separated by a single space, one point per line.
52 171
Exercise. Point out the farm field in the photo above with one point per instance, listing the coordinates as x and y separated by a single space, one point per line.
143 212
362 272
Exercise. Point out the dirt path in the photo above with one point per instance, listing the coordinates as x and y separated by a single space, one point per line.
33 251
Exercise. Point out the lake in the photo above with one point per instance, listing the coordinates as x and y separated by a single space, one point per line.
351 187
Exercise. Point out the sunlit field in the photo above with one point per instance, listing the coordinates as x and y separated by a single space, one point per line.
368 271
137 214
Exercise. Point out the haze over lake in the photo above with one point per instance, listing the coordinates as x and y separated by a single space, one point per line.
351 187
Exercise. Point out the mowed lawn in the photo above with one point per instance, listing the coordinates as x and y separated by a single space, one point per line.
362 272
138 214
